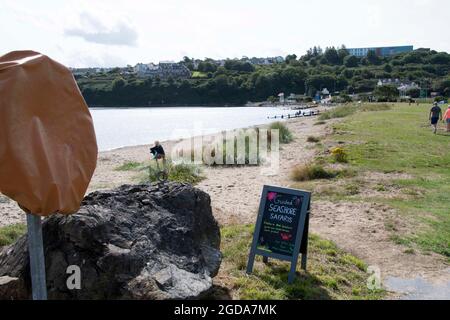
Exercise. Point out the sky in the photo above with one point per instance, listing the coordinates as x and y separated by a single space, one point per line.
108 33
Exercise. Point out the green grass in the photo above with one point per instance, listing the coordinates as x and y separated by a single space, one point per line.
338 112
332 273
199 75
285 134
129 166
347 110
399 139
9 234
180 172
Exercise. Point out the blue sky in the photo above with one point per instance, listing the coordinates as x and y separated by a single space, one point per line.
83 33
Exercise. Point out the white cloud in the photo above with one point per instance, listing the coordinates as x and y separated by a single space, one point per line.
111 32
92 29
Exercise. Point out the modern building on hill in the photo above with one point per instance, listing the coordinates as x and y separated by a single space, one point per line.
380 51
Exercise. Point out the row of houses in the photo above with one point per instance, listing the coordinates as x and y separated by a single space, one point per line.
163 70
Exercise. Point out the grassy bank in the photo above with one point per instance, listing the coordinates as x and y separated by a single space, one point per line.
398 141
332 273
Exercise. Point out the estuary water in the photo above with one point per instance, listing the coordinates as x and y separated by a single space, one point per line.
121 127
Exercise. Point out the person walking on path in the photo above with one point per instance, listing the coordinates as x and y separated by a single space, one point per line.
435 116
447 118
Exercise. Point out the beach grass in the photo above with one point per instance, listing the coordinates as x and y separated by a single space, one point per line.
285 134
311 172
129 166
332 273
9 234
397 139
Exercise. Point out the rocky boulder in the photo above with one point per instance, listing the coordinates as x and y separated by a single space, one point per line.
135 242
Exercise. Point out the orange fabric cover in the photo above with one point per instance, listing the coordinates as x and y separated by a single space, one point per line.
48 149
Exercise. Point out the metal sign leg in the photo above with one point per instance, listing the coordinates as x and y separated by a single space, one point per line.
37 261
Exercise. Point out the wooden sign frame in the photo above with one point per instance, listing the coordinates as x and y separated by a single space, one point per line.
301 240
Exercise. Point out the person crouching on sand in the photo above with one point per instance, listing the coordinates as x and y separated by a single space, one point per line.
158 152
447 118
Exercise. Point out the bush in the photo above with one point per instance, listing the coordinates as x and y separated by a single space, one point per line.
339 154
313 139
311 172
285 134
181 172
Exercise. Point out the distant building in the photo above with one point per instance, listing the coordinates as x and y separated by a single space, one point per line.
403 86
163 70
380 51
265 61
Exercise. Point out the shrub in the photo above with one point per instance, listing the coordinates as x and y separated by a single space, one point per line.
313 139
181 172
339 154
311 172
285 134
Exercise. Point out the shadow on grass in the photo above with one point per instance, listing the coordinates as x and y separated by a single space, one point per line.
305 286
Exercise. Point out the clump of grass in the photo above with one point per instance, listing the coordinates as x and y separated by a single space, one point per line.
180 172
319 123
339 155
286 135
9 234
183 172
311 172
312 139
332 273
338 112
129 166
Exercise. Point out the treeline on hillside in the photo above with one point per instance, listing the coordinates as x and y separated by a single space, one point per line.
238 82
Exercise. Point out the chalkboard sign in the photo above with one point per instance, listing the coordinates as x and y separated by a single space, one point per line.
282 227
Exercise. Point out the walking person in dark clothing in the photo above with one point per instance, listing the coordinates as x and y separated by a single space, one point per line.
435 116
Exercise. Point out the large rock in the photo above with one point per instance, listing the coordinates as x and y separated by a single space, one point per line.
135 242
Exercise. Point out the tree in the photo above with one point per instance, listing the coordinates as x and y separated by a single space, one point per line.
387 68
440 58
386 93
351 61
291 57
118 83
413 93
343 53
206 66
331 56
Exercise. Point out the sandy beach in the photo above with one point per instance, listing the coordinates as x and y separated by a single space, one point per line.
357 227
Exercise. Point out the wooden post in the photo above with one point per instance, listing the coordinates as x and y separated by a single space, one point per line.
37 260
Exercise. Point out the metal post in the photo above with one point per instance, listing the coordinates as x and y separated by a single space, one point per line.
37 261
